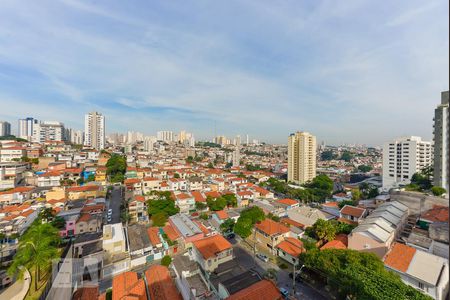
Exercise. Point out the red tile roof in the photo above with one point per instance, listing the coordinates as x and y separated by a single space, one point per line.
83 188
127 286
153 235
292 222
339 242
262 290
288 201
139 198
214 194
171 232
223 215
399 257
352 211
211 246
198 196
437 214
291 246
271 227
86 293
160 284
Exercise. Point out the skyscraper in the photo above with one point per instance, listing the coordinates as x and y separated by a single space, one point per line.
440 137
25 128
301 157
5 128
165 136
48 131
402 158
94 130
237 153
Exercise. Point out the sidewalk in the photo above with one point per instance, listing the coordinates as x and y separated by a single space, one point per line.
18 290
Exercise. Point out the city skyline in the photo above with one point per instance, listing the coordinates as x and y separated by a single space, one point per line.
268 72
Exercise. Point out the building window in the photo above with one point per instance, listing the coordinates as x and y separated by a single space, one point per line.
421 286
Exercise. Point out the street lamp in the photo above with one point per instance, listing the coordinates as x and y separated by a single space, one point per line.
294 276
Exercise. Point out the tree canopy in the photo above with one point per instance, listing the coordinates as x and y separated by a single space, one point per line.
438 191
116 167
358 275
346 156
247 220
227 225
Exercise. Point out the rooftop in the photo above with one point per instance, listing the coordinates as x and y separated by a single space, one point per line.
271 227
211 246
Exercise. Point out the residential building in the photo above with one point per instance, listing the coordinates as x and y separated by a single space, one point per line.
127 286
402 158
76 137
94 130
48 131
290 249
261 290
160 284
353 214
12 153
421 270
25 128
378 231
211 251
165 136
268 234
301 157
237 153
5 128
441 142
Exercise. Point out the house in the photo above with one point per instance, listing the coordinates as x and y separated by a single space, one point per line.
150 184
16 195
261 290
421 270
88 223
185 202
288 204
137 209
48 179
353 213
211 251
438 213
189 279
139 245
289 250
332 208
268 234
127 286
377 232
160 284
194 183
134 185
307 215
12 153
84 192
220 216
339 242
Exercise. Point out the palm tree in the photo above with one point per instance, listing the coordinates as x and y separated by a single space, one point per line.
37 248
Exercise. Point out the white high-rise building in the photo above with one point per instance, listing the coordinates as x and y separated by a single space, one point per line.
25 128
5 128
149 142
402 158
94 130
76 137
165 136
48 131
441 143
237 152
301 157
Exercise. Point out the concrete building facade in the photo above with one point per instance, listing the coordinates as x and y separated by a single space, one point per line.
94 130
440 138
301 157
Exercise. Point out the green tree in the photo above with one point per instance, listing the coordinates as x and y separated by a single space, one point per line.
346 156
116 167
231 200
243 227
158 206
327 155
356 194
37 248
159 219
364 168
59 222
345 202
204 216
438 191
200 205
176 175
189 159
90 178
216 204
323 230
254 213
47 214
166 260
227 225
273 217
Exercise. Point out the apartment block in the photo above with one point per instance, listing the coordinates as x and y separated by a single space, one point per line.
301 157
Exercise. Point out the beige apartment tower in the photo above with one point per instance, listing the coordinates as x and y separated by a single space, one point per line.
301 157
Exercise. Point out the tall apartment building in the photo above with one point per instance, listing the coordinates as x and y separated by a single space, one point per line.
5 128
76 137
402 158
301 157
94 130
25 128
48 131
149 141
165 136
237 152
441 145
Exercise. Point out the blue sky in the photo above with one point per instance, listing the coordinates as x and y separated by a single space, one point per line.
346 71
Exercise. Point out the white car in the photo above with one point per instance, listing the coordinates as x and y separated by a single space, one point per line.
284 292
109 212
262 257
109 219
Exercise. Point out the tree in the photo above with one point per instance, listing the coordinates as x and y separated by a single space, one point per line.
364 168
345 202
357 275
200 205
254 213
346 156
356 195
116 167
227 225
273 217
176 175
47 214
322 230
158 206
210 165
438 191
243 227
189 159
327 155
231 200
80 181
59 222
203 216
216 204
90 178
37 248
166 260
159 219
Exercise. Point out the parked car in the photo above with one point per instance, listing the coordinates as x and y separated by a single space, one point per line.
109 212
284 292
109 219
262 257
297 277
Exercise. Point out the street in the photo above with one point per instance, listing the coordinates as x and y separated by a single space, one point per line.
245 259
113 202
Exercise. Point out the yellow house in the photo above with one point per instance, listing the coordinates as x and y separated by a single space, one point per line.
55 193
100 175
85 192
269 234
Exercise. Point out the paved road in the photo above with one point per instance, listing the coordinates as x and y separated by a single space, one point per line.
245 259
114 202
19 289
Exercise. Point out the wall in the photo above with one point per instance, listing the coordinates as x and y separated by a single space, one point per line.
412 200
